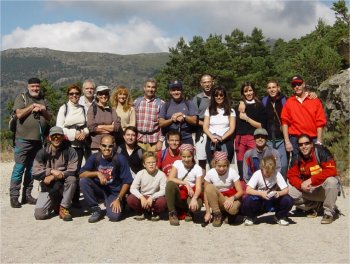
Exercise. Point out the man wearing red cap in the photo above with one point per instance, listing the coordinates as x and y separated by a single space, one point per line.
301 115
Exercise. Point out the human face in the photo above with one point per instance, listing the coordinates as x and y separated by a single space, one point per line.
176 93
187 158
273 89
150 165
305 146
103 97
248 93
221 167
219 98
206 84
106 147
74 96
130 137
34 89
56 140
260 141
267 173
88 90
150 90
173 142
122 97
298 88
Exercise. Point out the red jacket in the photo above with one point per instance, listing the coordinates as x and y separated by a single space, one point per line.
303 169
303 118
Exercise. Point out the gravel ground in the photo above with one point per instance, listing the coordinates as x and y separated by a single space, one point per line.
25 240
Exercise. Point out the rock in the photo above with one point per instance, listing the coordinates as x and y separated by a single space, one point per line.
334 93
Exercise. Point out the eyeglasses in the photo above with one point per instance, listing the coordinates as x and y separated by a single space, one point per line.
295 84
260 136
219 95
56 137
106 146
72 94
307 143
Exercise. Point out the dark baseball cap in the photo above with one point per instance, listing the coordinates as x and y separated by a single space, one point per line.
34 80
175 84
296 79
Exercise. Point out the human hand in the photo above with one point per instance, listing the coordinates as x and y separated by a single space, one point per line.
207 217
102 178
48 179
144 202
228 203
289 147
189 190
115 205
193 206
264 195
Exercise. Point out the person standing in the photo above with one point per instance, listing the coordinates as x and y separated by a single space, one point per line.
32 115
147 109
302 115
101 118
178 114
55 166
202 102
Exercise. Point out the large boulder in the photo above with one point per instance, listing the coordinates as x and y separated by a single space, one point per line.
334 92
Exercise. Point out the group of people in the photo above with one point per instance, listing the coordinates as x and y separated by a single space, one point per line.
152 156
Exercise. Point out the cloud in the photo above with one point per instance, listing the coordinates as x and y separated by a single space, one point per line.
136 36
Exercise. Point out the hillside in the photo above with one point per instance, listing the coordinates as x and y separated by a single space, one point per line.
60 68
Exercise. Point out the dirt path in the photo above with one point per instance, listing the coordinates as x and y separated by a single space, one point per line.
25 240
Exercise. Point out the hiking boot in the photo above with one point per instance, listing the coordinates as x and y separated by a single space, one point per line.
281 222
155 217
249 221
188 217
64 214
327 219
28 199
173 218
15 203
311 213
140 217
96 214
217 219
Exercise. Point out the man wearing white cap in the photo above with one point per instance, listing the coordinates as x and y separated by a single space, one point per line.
252 157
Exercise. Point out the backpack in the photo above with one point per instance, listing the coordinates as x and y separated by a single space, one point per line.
66 109
13 118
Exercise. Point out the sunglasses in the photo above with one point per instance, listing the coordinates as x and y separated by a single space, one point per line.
106 146
260 136
304 144
56 136
103 93
219 95
73 94
295 84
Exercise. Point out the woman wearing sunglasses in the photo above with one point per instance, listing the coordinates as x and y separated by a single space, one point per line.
101 118
219 124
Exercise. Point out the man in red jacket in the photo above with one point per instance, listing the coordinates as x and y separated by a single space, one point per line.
313 178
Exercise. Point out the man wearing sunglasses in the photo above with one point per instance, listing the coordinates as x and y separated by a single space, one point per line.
55 167
31 111
313 179
252 158
301 115
105 175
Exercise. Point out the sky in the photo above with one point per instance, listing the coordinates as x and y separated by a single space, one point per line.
132 27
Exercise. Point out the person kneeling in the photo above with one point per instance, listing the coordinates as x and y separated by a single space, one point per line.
106 175
55 167
148 190
222 189
267 191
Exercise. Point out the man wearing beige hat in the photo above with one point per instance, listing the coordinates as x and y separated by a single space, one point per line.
252 157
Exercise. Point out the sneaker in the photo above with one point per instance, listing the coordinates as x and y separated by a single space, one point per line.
173 218
96 214
64 214
188 217
217 219
249 221
140 217
155 217
327 219
282 221
28 199
15 203
311 213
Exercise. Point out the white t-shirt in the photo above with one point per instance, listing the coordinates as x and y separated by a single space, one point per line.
222 183
192 176
219 124
257 181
